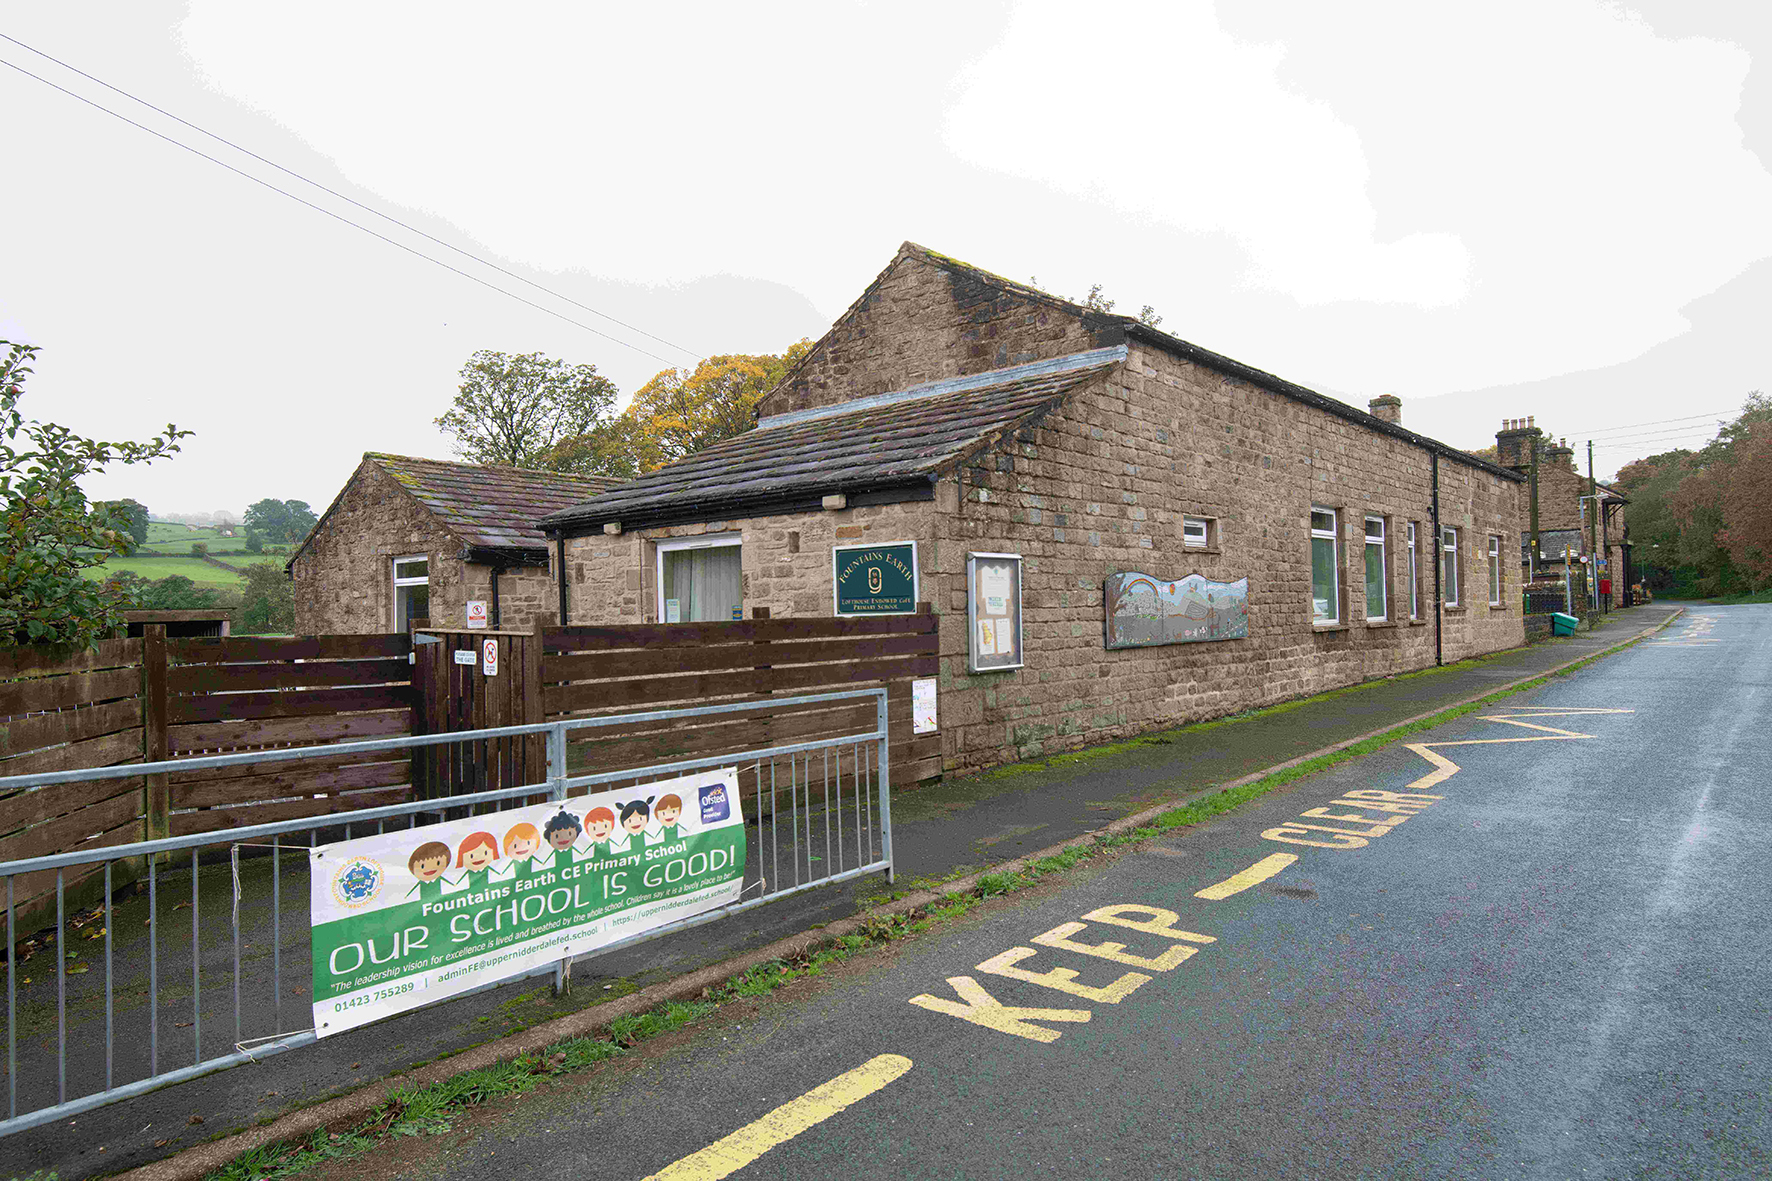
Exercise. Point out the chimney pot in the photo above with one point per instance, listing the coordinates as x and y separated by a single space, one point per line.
1388 408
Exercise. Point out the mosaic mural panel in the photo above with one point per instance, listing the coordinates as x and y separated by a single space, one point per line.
1144 611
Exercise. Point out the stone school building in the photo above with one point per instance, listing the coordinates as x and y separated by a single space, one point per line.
409 541
1119 530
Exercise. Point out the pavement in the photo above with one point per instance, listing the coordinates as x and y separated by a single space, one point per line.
939 831
1529 942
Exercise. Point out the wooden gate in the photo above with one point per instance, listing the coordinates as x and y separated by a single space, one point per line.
458 692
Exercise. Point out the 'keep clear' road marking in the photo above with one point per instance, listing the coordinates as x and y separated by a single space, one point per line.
1394 808
728 1155
979 1007
1256 874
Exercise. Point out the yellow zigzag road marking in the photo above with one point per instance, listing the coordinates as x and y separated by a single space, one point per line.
1445 768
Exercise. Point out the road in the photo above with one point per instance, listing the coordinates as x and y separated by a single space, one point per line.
1546 957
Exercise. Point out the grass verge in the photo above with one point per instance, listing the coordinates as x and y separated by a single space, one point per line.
434 1109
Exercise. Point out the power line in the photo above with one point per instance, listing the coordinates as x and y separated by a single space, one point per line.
1701 435
347 221
1631 426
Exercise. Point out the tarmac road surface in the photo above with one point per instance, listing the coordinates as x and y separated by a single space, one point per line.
1532 943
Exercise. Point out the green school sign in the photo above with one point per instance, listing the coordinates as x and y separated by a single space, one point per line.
875 579
417 916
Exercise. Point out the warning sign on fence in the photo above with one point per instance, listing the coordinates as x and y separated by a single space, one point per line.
408 918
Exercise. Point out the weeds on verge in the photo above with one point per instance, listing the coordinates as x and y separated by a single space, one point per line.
432 1110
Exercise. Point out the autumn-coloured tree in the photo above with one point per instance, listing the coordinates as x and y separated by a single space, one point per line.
678 413
1747 504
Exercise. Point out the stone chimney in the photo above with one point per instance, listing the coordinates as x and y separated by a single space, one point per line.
1513 442
1388 407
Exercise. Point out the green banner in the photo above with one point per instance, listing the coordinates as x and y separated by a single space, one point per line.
409 918
875 579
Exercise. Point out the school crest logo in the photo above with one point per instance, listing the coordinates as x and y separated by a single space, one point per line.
714 806
357 882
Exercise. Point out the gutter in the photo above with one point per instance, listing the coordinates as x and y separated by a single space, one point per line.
688 508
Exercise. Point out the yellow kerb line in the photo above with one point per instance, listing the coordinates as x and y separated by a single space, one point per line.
1260 872
727 1156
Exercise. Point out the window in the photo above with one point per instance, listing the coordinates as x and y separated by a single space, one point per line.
700 579
1325 567
1494 570
1196 532
1449 565
1414 574
1377 578
412 592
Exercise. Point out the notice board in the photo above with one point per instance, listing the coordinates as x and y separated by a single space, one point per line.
993 611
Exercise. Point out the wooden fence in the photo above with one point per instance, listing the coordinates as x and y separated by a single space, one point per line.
153 698
61 710
224 695
620 669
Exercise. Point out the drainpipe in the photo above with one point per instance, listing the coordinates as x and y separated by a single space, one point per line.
1439 569
560 565
496 571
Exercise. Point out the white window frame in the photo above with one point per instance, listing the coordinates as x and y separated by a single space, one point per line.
1414 573
1383 544
1495 587
423 580
1332 535
706 541
1449 593
1205 525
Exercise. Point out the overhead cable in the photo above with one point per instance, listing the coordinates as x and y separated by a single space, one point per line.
347 221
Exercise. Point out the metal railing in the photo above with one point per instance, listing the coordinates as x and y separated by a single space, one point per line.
832 804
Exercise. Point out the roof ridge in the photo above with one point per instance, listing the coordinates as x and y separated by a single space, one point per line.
378 456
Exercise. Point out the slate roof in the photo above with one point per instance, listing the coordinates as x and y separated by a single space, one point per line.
485 506
890 442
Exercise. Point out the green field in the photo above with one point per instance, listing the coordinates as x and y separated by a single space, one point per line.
199 572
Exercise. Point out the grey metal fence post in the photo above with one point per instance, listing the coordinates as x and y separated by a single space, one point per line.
885 789
557 791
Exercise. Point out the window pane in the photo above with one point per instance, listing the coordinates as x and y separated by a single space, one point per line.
1449 574
1323 596
1375 528
1376 607
1322 521
412 567
411 603
706 584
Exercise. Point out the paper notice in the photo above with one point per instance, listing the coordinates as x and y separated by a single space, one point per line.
987 638
993 583
923 706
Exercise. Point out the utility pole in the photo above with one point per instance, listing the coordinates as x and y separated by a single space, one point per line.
1537 554
1593 529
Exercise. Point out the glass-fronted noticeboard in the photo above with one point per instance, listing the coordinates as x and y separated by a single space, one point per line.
993 611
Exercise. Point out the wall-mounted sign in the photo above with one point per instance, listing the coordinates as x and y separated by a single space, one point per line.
993 611
1144 611
476 612
875 579
923 706
489 657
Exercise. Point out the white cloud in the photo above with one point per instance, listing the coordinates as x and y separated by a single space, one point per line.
1155 110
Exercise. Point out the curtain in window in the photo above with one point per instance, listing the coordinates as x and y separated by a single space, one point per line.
707 583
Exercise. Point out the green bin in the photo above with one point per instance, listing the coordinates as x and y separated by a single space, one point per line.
1563 625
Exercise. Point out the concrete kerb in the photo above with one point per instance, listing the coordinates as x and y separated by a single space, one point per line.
201 1159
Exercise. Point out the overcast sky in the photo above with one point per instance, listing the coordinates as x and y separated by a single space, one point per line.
1558 209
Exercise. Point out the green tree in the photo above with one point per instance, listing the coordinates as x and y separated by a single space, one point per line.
175 592
513 410
254 543
49 531
280 520
134 516
267 604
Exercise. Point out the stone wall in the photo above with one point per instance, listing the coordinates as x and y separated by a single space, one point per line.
922 321
786 560
344 578
1100 486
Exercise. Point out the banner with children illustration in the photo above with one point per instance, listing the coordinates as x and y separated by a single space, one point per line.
417 916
